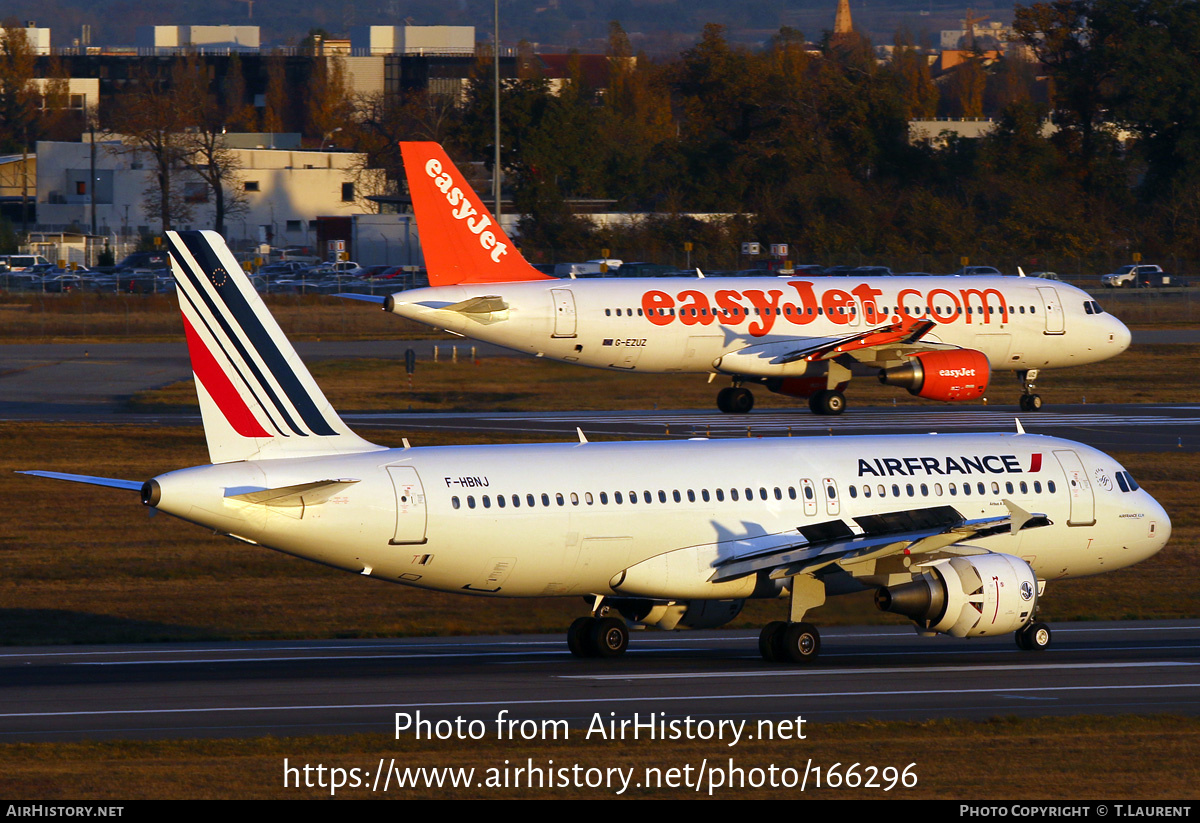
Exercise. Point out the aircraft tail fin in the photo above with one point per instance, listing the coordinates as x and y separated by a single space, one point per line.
257 399
460 238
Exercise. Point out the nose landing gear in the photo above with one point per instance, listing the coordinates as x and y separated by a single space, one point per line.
1030 401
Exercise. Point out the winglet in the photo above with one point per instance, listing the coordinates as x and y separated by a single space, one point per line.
461 240
1020 428
579 431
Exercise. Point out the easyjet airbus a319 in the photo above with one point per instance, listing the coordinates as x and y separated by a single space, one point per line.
938 337
960 533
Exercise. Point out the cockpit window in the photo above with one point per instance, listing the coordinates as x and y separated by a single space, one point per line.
1126 482
1092 307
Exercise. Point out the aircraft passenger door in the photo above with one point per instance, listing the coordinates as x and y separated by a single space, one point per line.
810 497
410 506
1055 323
1083 501
829 485
564 312
856 309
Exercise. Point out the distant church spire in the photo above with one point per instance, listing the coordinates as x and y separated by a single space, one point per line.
841 23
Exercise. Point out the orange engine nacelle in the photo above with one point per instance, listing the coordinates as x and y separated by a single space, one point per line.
961 374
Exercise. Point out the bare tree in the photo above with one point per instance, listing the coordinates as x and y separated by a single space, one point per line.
153 117
206 153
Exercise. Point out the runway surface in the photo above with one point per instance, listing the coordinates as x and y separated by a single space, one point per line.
91 384
327 687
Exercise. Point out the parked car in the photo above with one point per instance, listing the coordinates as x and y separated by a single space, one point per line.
24 262
972 271
1045 275
1135 275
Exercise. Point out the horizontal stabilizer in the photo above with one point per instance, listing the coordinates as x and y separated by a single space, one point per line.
303 494
486 304
111 482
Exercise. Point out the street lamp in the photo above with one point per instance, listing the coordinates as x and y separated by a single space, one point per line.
328 135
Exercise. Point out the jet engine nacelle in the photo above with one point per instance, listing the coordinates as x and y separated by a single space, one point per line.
958 374
967 596
690 614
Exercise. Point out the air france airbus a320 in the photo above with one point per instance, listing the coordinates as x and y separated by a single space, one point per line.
938 337
960 533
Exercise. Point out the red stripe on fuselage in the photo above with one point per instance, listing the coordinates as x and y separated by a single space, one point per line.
220 388
1036 466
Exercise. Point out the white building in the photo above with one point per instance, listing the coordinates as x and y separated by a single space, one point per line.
413 39
233 38
284 191
39 39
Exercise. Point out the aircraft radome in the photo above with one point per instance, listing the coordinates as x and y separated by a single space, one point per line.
938 337
958 532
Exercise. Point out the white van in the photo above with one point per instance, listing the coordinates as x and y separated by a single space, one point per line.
21 262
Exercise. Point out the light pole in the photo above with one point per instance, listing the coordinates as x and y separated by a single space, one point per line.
328 135
496 162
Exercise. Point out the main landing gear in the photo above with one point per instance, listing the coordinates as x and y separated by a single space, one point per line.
1034 637
740 400
795 641
598 637
1030 401
782 642
827 402
735 400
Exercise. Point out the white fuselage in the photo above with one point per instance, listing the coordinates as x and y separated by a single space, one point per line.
742 326
560 519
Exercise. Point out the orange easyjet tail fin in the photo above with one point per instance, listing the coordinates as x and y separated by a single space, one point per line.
460 238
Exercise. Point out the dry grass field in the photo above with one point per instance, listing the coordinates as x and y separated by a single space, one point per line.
1006 759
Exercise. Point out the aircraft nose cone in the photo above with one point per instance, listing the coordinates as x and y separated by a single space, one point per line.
1121 336
1162 521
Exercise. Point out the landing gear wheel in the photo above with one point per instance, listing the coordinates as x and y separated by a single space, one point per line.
579 637
1034 638
738 401
1031 402
723 399
828 402
609 637
801 642
770 641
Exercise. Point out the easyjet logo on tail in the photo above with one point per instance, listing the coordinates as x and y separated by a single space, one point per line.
465 211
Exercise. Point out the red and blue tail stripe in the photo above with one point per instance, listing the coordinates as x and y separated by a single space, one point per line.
256 396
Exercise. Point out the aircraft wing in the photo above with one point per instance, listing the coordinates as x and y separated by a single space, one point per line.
901 333
917 531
